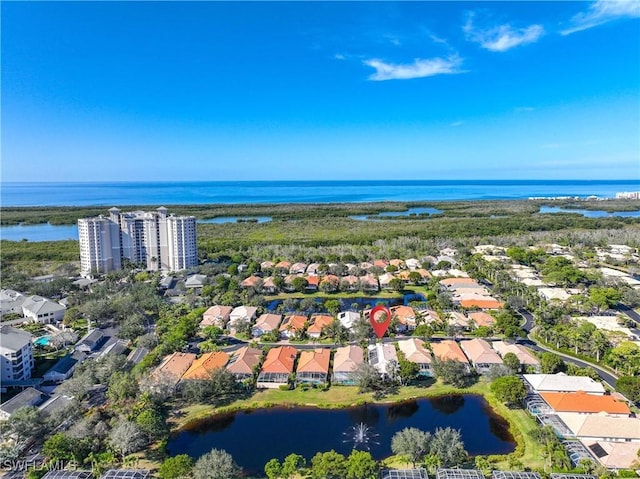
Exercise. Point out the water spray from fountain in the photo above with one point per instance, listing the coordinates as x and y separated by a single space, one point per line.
362 436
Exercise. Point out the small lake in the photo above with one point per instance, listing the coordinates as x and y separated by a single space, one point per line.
590 213
418 212
254 437
49 232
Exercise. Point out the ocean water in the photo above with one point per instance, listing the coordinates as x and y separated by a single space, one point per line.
230 192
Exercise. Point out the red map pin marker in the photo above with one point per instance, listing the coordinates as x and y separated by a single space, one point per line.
380 318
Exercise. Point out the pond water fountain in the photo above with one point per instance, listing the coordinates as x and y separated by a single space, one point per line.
362 436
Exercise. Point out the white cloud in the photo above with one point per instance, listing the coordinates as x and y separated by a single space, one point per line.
339 56
502 37
456 123
603 11
420 68
521 109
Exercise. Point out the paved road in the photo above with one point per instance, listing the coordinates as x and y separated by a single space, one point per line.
623 308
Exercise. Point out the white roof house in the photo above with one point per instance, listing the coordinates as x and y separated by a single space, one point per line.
562 383
11 301
380 355
42 310
602 427
347 318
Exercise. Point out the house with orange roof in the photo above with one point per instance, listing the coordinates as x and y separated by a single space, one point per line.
174 366
204 366
481 355
381 263
277 368
415 351
398 263
283 267
448 350
252 282
369 282
312 283
406 317
346 361
265 324
267 265
350 283
216 316
243 362
268 286
480 318
292 326
581 402
330 283
317 323
454 283
488 303
313 366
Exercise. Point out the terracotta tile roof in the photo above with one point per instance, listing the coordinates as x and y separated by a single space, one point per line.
318 322
348 358
582 402
415 351
283 264
351 279
267 264
448 349
331 278
175 364
268 283
381 263
244 360
312 280
316 361
397 263
216 315
298 268
482 319
293 322
524 355
251 282
481 303
280 360
480 352
202 367
268 321
405 314
452 281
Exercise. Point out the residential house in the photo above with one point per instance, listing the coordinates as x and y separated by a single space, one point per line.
383 356
90 341
204 366
11 301
312 284
173 367
561 382
282 267
196 282
398 263
293 326
385 280
254 282
298 268
168 282
216 316
430 316
603 427
347 318
381 263
42 310
317 323
346 361
614 455
269 286
242 315
551 294
415 351
481 355
265 324
243 362
413 263
365 266
459 320
455 283
369 282
265 265
580 402
28 397
16 354
449 350
330 283
64 367
313 366
277 368
525 356
288 282
481 303
406 317
312 269
350 283
480 318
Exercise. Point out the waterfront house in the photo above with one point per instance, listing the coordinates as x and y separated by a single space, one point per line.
349 283
480 354
405 316
277 367
602 427
317 323
415 351
204 366
243 362
449 350
614 455
561 382
385 280
369 283
347 318
265 324
330 283
173 367
241 315
312 284
383 356
216 316
269 286
346 361
313 366
292 326
580 402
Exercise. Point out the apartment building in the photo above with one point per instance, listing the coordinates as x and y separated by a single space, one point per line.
154 239
16 355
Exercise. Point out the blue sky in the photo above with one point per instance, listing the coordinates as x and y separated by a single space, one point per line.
314 90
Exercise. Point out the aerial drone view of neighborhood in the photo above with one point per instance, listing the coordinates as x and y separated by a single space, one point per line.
320 240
